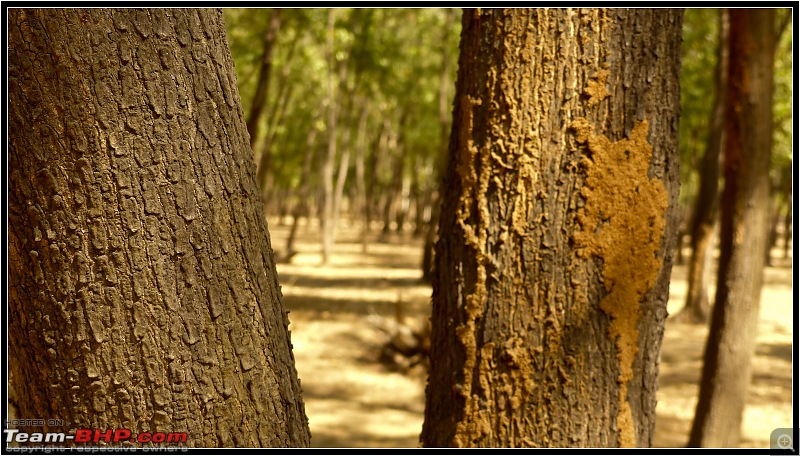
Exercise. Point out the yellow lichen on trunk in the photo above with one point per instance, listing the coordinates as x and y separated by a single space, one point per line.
596 90
622 223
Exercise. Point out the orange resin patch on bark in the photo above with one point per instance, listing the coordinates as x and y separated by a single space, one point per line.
622 224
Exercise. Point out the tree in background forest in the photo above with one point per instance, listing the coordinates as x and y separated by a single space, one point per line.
142 290
552 269
744 226
705 49
351 119
704 212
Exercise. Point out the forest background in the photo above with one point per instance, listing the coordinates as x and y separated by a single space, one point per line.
353 106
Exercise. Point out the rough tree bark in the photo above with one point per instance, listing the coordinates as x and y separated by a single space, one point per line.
142 290
743 231
557 229
706 207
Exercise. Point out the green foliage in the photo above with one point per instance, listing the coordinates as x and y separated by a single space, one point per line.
782 99
699 58
392 58
698 61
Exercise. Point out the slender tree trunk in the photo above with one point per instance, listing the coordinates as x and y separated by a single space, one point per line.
263 175
557 229
344 167
142 290
285 93
415 195
373 165
787 226
743 230
773 207
704 216
361 195
262 87
301 207
390 200
326 214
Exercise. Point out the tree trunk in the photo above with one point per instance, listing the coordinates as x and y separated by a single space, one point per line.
743 231
787 226
393 156
260 97
430 239
142 290
378 147
326 213
704 217
341 177
361 195
774 219
557 229
301 207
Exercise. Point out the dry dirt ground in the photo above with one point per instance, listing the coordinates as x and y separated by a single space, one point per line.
354 401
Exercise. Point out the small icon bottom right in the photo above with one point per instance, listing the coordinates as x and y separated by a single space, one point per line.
782 438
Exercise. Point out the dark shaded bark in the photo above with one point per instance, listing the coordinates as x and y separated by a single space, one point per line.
743 231
697 308
557 229
787 226
142 290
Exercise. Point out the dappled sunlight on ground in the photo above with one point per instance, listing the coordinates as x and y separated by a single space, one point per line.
354 401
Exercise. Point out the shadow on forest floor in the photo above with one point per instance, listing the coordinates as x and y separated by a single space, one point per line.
354 401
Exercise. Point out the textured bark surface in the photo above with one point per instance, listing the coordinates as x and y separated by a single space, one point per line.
743 231
142 290
552 269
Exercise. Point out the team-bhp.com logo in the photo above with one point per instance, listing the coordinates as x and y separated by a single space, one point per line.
94 436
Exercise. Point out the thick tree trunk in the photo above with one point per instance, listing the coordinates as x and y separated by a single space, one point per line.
142 291
743 231
557 229
706 207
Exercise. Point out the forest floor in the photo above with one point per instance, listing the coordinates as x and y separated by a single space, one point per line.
352 400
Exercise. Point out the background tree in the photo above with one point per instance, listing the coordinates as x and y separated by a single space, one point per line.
702 126
706 202
743 230
142 291
387 70
552 268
